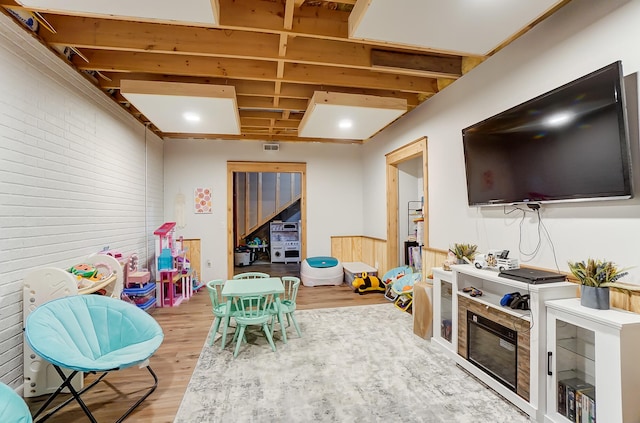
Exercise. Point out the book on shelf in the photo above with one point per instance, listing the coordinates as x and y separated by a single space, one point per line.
562 398
588 406
577 393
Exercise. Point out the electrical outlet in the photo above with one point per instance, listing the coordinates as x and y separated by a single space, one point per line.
209 263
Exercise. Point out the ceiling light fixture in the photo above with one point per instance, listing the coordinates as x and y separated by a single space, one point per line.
178 107
367 115
345 124
191 117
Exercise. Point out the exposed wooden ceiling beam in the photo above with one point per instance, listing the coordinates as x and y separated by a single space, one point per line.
267 115
255 88
394 61
285 137
250 69
275 53
264 103
288 14
266 16
109 34
274 123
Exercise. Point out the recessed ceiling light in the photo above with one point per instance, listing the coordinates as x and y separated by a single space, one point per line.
191 117
345 124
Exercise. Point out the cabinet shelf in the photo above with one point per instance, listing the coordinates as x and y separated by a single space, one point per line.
578 347
492 300
573 374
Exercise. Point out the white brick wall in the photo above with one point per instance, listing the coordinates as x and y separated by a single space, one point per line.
72 176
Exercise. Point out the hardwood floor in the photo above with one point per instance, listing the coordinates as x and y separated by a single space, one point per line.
185 328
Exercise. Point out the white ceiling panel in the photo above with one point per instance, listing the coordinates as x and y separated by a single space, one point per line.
349 116
188 108
473 27
196 11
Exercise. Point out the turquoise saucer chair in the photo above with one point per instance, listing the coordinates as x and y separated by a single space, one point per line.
13 409
391 276
403 288
93 334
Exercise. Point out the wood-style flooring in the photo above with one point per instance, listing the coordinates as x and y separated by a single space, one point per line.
185 328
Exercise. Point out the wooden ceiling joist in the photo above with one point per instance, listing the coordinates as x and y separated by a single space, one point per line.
260 137
275 53
256 88
268 115
418 64
273 123
121 61
106 34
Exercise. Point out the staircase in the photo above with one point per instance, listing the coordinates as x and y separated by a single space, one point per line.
259 198
263 230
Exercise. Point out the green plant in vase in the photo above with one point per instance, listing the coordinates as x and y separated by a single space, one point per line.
464 252
596 276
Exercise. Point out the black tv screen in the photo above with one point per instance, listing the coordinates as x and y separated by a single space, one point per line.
569 144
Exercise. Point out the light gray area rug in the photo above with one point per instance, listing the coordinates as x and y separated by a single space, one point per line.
352 364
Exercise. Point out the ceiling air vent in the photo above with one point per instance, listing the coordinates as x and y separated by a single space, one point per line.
271 147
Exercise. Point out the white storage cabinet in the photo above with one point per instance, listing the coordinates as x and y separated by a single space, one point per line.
448 289
593 352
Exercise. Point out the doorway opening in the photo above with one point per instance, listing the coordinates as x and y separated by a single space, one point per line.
255 223
414 150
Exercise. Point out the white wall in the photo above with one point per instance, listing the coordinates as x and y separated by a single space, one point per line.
583 36
334 191
409 189
72 176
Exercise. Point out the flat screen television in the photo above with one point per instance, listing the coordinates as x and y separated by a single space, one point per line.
570 144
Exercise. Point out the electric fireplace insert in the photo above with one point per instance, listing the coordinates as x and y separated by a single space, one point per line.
493 348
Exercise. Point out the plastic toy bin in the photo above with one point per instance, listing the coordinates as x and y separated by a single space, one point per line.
144 297
355 269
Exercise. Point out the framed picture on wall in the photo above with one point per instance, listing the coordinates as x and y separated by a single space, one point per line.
202 200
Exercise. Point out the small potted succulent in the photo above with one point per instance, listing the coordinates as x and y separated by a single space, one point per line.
464 252
596 276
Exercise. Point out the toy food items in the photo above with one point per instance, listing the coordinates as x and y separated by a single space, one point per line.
85 270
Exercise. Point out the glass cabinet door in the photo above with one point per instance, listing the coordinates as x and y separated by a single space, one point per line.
575 379
446 307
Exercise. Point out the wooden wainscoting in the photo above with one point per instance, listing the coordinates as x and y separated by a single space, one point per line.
372 251
626 299
192 246
432 257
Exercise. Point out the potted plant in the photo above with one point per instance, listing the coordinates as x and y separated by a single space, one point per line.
464 252
596 276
